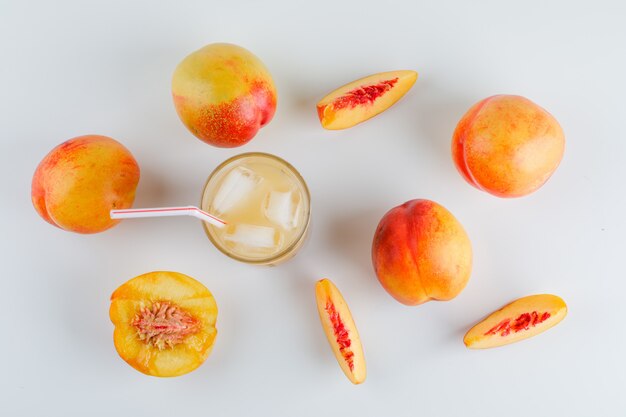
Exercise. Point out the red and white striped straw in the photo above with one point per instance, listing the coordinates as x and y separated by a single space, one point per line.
167 212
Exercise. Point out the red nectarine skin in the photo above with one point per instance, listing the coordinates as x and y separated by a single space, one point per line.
229 124
341 334
366 94
458 153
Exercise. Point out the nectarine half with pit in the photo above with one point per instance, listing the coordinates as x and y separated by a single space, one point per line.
516 321
507 146
223 94
80 181
340 330
164 323
421 252
363 99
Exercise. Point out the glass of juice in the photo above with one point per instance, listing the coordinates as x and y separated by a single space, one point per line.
266 204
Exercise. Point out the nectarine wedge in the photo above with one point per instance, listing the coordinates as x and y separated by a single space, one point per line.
164 323
363 99
340 330
519 320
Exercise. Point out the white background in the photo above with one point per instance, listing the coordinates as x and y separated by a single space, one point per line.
72 68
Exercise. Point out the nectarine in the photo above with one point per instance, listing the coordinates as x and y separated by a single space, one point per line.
516 321
223 94
421 252
80 181
507 146
340 330
363 99
164 323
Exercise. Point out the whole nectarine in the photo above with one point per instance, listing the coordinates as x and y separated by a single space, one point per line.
80 181
223 94
421 252
507 146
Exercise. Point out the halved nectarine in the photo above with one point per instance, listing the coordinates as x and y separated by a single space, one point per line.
516 321
364 98
164 323
340 330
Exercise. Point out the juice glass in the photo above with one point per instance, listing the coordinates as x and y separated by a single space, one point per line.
266 204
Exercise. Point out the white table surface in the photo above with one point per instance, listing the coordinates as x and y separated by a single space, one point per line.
73 67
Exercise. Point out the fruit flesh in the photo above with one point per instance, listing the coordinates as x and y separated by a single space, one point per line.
363 99
507 146
342 336
77 184
421 252
164 323
516 321
340 330
366 94
223 94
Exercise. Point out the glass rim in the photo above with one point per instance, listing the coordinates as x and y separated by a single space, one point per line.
294 245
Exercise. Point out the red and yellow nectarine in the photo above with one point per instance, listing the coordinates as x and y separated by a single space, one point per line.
80 181
507 146
421 253
223 94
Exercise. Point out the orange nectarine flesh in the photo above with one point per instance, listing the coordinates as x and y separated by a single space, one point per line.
340 330
364 98
516 321
164 323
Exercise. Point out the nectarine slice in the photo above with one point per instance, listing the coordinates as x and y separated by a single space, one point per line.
519 320
340 330
164 323
363 99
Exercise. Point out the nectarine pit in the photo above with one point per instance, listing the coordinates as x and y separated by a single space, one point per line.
164 324
523 322
341 334
364 94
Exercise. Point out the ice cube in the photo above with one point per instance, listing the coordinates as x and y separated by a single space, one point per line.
266 239
238 184
282 208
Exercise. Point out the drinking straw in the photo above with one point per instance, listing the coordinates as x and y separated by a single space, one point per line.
167 212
